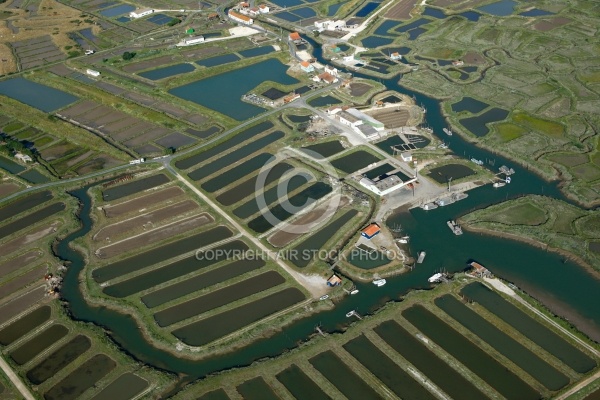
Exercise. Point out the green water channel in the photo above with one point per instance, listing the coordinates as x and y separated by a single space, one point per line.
418 354
482 364
238 172
59 359
226 145
216 326
125 387
256 389
207 279
342 377
30 349
84 377
161 253
233 157
300 385
386 370
24 204
540 370
271 195
218 298
529 327
172 271
297 202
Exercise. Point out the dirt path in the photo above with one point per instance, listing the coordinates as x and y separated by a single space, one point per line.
316 285
16 381
579 386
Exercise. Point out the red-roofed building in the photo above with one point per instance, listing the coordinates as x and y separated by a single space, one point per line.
371 231
306 66
295 37
327 78
237 17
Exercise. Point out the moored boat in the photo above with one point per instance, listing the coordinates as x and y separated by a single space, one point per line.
499 184
379 282
429 206
421 257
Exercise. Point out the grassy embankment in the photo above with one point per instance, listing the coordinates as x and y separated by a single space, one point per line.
549 223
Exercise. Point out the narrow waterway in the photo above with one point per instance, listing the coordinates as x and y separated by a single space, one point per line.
566 287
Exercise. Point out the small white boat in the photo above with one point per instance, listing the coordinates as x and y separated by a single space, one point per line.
324 297
402 240
354 291
379 282
421 257
351 313
447 131
507 180
429 206
498 184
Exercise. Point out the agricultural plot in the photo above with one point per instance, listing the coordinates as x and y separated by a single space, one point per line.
169 273
214 327
137 186
161 253
429 345
281 212
315 243
123 128
38 51
271 195
228 144
153 236
214 289
144 202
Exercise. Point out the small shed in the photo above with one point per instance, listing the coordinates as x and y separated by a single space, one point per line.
334 280
371 231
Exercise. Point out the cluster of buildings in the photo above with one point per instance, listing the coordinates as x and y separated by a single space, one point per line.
244 8
329 25
240 18
360 122
385 185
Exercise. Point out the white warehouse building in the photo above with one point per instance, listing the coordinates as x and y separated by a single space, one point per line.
141 13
